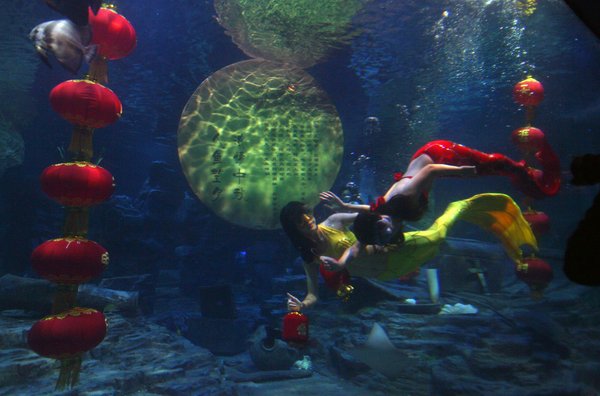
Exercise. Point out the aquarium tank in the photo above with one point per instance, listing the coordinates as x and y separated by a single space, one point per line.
274 197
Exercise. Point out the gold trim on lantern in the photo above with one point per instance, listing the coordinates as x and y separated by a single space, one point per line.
302 329
522 267
76 311
345 291
105 259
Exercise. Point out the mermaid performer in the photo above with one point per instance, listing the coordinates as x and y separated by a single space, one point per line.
497 213
407 199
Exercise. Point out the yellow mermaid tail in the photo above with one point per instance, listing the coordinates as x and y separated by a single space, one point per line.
497 213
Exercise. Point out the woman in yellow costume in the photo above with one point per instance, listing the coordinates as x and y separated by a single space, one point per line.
331 237
497 213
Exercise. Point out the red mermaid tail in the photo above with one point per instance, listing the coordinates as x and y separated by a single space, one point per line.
542 183
533 182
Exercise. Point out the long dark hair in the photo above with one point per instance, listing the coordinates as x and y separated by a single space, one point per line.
403 208
289 217
365 229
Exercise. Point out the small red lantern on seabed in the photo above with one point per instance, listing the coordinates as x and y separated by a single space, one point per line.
66 336
295 328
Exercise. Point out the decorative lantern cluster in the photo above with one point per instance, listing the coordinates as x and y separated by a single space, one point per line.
78 185
531 141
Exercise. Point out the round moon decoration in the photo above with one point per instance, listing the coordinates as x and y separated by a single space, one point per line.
256 135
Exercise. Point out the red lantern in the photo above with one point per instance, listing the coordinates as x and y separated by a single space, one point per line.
77 183
113 34
528 139
528 92
86 103
295 327
338 281
67 334
539 221
69 260
536 272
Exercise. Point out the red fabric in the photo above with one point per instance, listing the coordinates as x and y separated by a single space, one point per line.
535 272
67 334
295 327
113 34
528 139
533 182
529 92
374 205
77 183
69 260
334 279
86 103
539 222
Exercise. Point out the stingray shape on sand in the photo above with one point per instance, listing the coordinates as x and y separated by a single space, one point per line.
381 355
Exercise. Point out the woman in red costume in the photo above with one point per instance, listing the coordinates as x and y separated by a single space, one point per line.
407 198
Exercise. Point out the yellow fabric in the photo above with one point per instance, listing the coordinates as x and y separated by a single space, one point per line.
337 241
497 213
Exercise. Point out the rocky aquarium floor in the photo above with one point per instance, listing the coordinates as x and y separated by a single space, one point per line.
512 346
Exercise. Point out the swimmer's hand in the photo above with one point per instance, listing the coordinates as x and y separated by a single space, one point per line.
468 171
331 264
332 201
294 303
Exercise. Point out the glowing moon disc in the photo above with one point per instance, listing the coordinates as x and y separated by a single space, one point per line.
256 135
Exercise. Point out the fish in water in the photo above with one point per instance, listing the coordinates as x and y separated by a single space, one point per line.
66 41
75 10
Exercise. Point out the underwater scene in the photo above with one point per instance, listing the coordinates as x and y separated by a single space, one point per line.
271 197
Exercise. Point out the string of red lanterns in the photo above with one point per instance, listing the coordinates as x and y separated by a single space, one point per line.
78 185
535 272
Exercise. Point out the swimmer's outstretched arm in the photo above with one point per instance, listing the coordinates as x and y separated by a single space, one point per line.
334 202
312 289
332 264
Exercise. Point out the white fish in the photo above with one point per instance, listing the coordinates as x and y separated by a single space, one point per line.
66 41
380 354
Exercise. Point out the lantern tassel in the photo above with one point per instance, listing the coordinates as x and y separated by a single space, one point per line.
99 70
69 372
